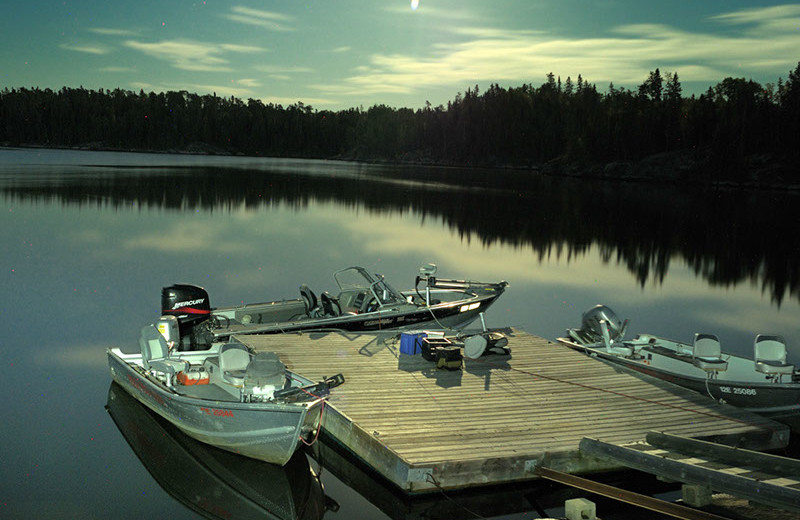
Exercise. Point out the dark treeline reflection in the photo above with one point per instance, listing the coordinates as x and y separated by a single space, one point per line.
726 236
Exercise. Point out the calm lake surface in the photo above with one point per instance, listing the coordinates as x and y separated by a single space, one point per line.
90 238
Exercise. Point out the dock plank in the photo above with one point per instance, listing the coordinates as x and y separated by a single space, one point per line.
424 428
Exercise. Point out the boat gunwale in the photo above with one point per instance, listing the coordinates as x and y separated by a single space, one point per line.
792 405
168 392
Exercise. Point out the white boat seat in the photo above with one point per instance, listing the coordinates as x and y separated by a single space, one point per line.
155 354
266 369
707 353
233 361
769 355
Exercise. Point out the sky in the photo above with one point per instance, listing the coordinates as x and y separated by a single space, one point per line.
339 54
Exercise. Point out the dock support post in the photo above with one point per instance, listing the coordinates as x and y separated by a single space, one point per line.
696 495
580 509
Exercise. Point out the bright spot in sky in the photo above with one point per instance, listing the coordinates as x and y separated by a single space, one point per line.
414 4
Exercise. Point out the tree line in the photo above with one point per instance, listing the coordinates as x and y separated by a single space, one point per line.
562 122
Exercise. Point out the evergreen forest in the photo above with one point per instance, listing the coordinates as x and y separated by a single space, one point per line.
731 132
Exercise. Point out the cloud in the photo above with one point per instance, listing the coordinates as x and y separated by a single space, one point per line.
277 69
111 32
117 69
625 55
429 11
192 55
266 19
86 48
761 15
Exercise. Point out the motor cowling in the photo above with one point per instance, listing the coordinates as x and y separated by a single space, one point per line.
590 325
190 305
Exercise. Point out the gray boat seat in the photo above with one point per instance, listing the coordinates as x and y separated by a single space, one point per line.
266 369
769 355
233 361
155 354
330 305
309 301
707 353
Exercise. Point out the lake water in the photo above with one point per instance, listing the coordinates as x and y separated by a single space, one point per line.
90 238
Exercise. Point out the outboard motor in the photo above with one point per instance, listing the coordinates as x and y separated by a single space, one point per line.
591 330
191 306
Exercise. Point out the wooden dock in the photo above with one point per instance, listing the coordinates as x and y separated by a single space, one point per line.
500 417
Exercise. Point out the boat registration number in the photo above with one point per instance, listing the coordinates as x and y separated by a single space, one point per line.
738 391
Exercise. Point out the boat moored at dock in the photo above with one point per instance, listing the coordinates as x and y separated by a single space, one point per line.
224 396
365 302
765 384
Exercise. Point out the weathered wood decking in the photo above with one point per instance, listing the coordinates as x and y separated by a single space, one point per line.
495 420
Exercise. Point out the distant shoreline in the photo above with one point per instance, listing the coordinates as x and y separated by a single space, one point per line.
763 172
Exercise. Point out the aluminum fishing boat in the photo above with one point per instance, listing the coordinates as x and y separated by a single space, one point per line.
365 302
766 384
216 483
224 396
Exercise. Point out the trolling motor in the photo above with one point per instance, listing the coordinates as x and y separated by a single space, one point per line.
427 272
190 305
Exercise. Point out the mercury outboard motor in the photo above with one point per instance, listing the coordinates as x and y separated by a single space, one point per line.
191 306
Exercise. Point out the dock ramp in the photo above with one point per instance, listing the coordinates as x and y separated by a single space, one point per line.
760 477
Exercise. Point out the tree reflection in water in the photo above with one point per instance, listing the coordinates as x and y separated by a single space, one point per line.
727 236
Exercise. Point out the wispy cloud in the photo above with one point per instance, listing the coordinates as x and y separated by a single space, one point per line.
117 69
282 73
191 55
105 31
761 15
260 18
86 48
425 9
278 69
625 56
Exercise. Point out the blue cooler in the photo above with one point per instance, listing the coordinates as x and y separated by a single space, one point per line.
410 342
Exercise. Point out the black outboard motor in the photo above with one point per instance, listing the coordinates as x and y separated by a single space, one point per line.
190 304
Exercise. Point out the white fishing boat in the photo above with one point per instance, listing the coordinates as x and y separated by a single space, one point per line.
766 383
224 396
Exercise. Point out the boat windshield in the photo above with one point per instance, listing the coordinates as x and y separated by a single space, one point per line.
359 279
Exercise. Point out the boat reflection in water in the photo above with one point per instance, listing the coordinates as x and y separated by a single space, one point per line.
212 482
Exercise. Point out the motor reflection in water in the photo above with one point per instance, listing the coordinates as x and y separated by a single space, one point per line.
212 482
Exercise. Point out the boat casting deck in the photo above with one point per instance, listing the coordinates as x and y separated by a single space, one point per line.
492 422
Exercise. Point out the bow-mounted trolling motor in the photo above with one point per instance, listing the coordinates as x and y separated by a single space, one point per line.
190 305
428 273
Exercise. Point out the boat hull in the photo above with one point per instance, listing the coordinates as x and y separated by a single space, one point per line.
453 314
779 401
270 432
215 483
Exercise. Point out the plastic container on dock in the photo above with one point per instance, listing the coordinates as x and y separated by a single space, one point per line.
410 342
